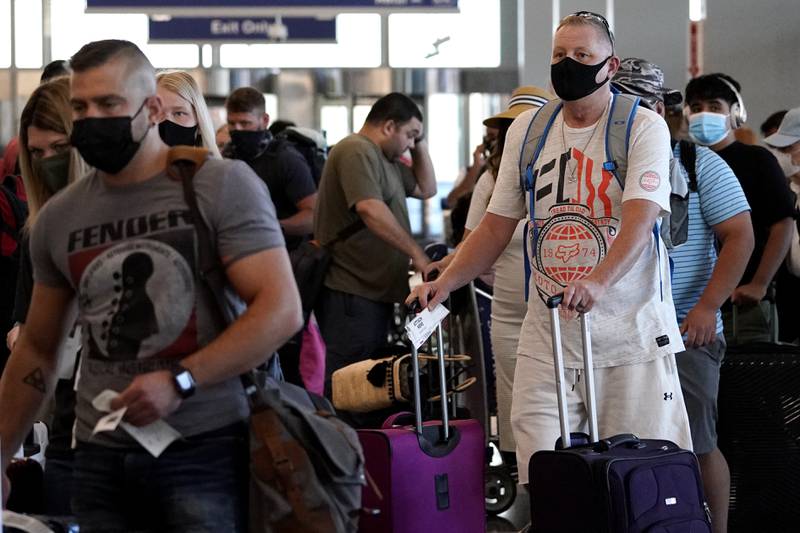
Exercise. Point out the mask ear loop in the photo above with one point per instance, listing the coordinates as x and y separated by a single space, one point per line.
149 126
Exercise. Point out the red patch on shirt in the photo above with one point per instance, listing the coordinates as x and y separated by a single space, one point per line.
650 181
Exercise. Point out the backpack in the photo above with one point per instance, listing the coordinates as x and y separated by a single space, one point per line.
312 146
13 214
683 180
618 130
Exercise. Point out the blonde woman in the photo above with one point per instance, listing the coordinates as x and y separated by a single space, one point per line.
48 164
187 121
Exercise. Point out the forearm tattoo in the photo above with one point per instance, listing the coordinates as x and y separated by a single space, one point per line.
36 380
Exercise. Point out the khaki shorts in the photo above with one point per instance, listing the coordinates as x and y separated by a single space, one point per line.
644 399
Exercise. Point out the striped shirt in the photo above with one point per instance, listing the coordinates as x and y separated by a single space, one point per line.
718 198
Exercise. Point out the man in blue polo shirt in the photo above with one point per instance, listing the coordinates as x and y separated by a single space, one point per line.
702 280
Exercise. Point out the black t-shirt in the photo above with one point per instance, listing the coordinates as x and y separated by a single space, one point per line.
766 190
288 178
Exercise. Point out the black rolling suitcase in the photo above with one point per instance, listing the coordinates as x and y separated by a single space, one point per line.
759 435
621 484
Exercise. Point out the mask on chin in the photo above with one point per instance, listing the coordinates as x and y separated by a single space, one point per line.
707 129
106 143
572 80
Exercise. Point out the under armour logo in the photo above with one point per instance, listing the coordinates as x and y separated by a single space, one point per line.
667 396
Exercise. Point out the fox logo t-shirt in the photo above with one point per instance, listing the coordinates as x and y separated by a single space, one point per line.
577 217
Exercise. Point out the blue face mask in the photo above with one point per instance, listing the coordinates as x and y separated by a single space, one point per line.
707 129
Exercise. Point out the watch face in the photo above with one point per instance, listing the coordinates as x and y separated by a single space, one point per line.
184 381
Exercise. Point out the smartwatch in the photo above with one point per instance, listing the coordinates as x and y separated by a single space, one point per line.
183 381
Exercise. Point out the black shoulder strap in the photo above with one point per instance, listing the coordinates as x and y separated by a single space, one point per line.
183 164
689 160
347 232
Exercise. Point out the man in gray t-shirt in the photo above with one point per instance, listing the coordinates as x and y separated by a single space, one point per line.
123 243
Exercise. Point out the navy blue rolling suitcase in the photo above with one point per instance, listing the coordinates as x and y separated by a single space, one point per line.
620 484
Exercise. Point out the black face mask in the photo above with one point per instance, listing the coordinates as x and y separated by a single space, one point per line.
106 143
176 135
248 144
53 171
573 80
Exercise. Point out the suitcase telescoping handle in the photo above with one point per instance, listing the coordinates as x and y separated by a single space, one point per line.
414 308
588 369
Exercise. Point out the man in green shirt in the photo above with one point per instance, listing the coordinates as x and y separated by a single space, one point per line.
365 185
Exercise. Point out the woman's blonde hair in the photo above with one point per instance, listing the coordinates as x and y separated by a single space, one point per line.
183 84
48 108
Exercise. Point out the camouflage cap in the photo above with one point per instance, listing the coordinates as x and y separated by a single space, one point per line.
642 78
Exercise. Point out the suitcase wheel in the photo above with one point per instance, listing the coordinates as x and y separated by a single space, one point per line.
500 489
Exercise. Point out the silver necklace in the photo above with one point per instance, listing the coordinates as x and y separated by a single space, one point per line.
571 177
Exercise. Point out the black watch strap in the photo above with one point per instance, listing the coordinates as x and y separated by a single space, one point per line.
183 380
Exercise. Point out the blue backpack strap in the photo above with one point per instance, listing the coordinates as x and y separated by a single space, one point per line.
526 259
532 144
534 140
618 134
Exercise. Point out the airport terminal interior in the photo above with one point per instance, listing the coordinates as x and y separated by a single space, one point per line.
400 265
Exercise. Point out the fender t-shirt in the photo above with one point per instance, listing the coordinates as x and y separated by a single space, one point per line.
130 255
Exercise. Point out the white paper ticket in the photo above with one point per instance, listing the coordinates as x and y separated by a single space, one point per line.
424 324
153 437
110 421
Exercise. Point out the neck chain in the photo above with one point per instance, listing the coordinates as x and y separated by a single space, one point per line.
571 173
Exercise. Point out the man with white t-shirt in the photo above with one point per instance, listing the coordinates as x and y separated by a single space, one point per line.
594 242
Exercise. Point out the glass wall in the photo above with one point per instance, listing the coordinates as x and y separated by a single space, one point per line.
68 15
358 45
468 39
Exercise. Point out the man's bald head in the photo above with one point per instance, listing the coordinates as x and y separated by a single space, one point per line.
139 72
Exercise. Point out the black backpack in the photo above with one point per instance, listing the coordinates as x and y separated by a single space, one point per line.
311 145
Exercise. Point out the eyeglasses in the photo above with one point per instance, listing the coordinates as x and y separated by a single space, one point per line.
597 18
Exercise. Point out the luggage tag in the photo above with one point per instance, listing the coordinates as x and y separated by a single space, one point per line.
424 324
153 437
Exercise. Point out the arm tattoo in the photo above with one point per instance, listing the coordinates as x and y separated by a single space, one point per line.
36 380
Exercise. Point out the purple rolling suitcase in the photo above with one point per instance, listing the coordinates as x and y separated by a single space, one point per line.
427 476
621 484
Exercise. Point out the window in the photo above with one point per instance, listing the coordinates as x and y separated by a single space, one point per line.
333 121
444 141
67 15
28 35
359 45
5 33
360 112
271 105
470 38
